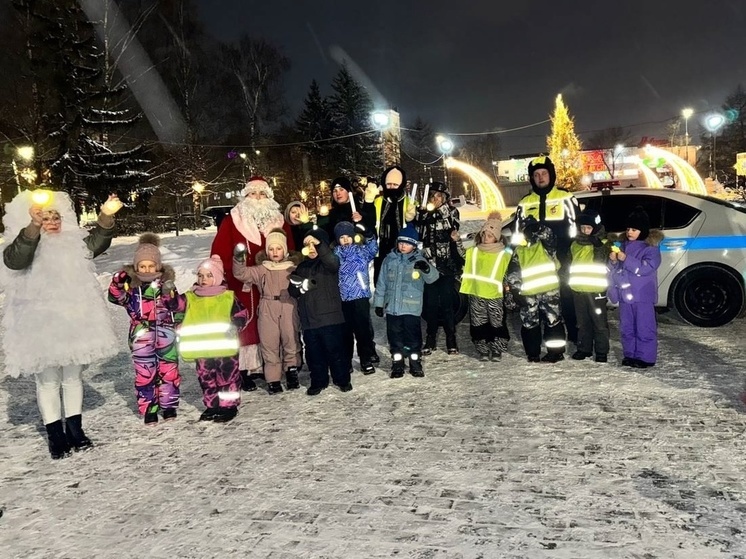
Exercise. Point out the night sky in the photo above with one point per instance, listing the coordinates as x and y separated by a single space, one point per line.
477 65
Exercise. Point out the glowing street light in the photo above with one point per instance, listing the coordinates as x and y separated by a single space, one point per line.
687 114
25 152
381 121
198 187
714 122
445 144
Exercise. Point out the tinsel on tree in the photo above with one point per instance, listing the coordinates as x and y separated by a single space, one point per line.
564 147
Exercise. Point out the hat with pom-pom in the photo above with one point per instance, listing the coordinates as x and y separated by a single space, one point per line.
214 265
147 249
494 225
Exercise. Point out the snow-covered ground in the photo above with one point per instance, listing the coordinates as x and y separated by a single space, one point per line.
507 460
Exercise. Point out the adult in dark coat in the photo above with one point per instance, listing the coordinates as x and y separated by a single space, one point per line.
394 210
348 206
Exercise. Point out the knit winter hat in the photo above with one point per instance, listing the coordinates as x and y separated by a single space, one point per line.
290 206
591 218
277 237
344 228
408 235
257 184
344 182
319 234
542 162
639 220
494 225
148 250
215 266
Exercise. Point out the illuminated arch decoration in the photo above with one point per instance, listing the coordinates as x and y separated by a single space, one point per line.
688 179
489 194
651 179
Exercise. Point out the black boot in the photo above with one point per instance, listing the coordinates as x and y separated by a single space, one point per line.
291 376
274 387
75 436
58 446
430 343
247 383
397 366
415 366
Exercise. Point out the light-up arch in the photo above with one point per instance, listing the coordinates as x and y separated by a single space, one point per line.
490 196
689 179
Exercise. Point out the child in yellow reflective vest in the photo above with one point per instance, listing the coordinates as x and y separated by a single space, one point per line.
588 254
482 280
209 334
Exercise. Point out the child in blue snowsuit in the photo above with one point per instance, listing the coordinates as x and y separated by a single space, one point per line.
356 250
399 292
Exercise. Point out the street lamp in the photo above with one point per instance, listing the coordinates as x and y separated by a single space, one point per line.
445 145
197 189
687 113
381 121
714 123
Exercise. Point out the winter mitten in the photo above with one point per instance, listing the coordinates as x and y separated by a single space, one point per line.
121 280
239 251
379 311
304 285
168 287
112 205
422 265
371 192
410 213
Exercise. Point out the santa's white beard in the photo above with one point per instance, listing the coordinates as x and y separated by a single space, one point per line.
262 212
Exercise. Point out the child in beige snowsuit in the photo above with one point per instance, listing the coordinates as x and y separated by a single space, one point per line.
278 321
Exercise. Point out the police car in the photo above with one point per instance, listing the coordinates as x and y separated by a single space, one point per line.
703 252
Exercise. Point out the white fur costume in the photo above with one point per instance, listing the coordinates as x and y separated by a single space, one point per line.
55 313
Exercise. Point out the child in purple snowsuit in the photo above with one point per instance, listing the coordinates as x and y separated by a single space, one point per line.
209 334
633 283
147 292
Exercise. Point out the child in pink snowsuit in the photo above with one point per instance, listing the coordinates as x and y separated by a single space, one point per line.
147 292
209 334
278 314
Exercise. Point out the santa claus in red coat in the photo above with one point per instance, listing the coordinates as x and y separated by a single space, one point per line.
250 221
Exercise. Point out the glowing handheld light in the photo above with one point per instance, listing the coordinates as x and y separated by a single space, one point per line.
41 197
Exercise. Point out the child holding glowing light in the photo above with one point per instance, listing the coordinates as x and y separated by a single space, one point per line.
277 312
146 291
55 319
399 294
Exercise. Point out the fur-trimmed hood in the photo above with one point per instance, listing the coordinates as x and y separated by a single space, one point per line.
654 237
294 256
168 273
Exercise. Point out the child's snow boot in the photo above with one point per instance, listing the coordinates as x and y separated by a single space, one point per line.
58 445
74 432
291 378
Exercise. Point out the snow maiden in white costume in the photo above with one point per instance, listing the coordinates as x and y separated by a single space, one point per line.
55 319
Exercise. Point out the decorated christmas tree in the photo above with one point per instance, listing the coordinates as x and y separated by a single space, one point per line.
564 147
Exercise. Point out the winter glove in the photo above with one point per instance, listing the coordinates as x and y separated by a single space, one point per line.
423 266
121 280
410 213
379 312
239 251
304 285
519 299
112 205
168 288
371 192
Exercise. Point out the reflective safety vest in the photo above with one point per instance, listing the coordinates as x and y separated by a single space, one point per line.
484 273
206 330
538 270
558 206
378 203
586 276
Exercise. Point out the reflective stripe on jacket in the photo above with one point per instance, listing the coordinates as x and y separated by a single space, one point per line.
538 270
206 330
586 275
484 273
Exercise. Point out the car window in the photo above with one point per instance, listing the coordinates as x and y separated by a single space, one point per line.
677 215
615 209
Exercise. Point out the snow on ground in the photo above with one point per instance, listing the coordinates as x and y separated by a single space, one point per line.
507 460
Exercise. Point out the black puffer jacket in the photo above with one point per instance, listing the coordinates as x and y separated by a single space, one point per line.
321 305
435 229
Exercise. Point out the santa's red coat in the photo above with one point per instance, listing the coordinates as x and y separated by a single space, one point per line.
225 240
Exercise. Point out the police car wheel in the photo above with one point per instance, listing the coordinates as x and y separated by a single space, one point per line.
708 296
